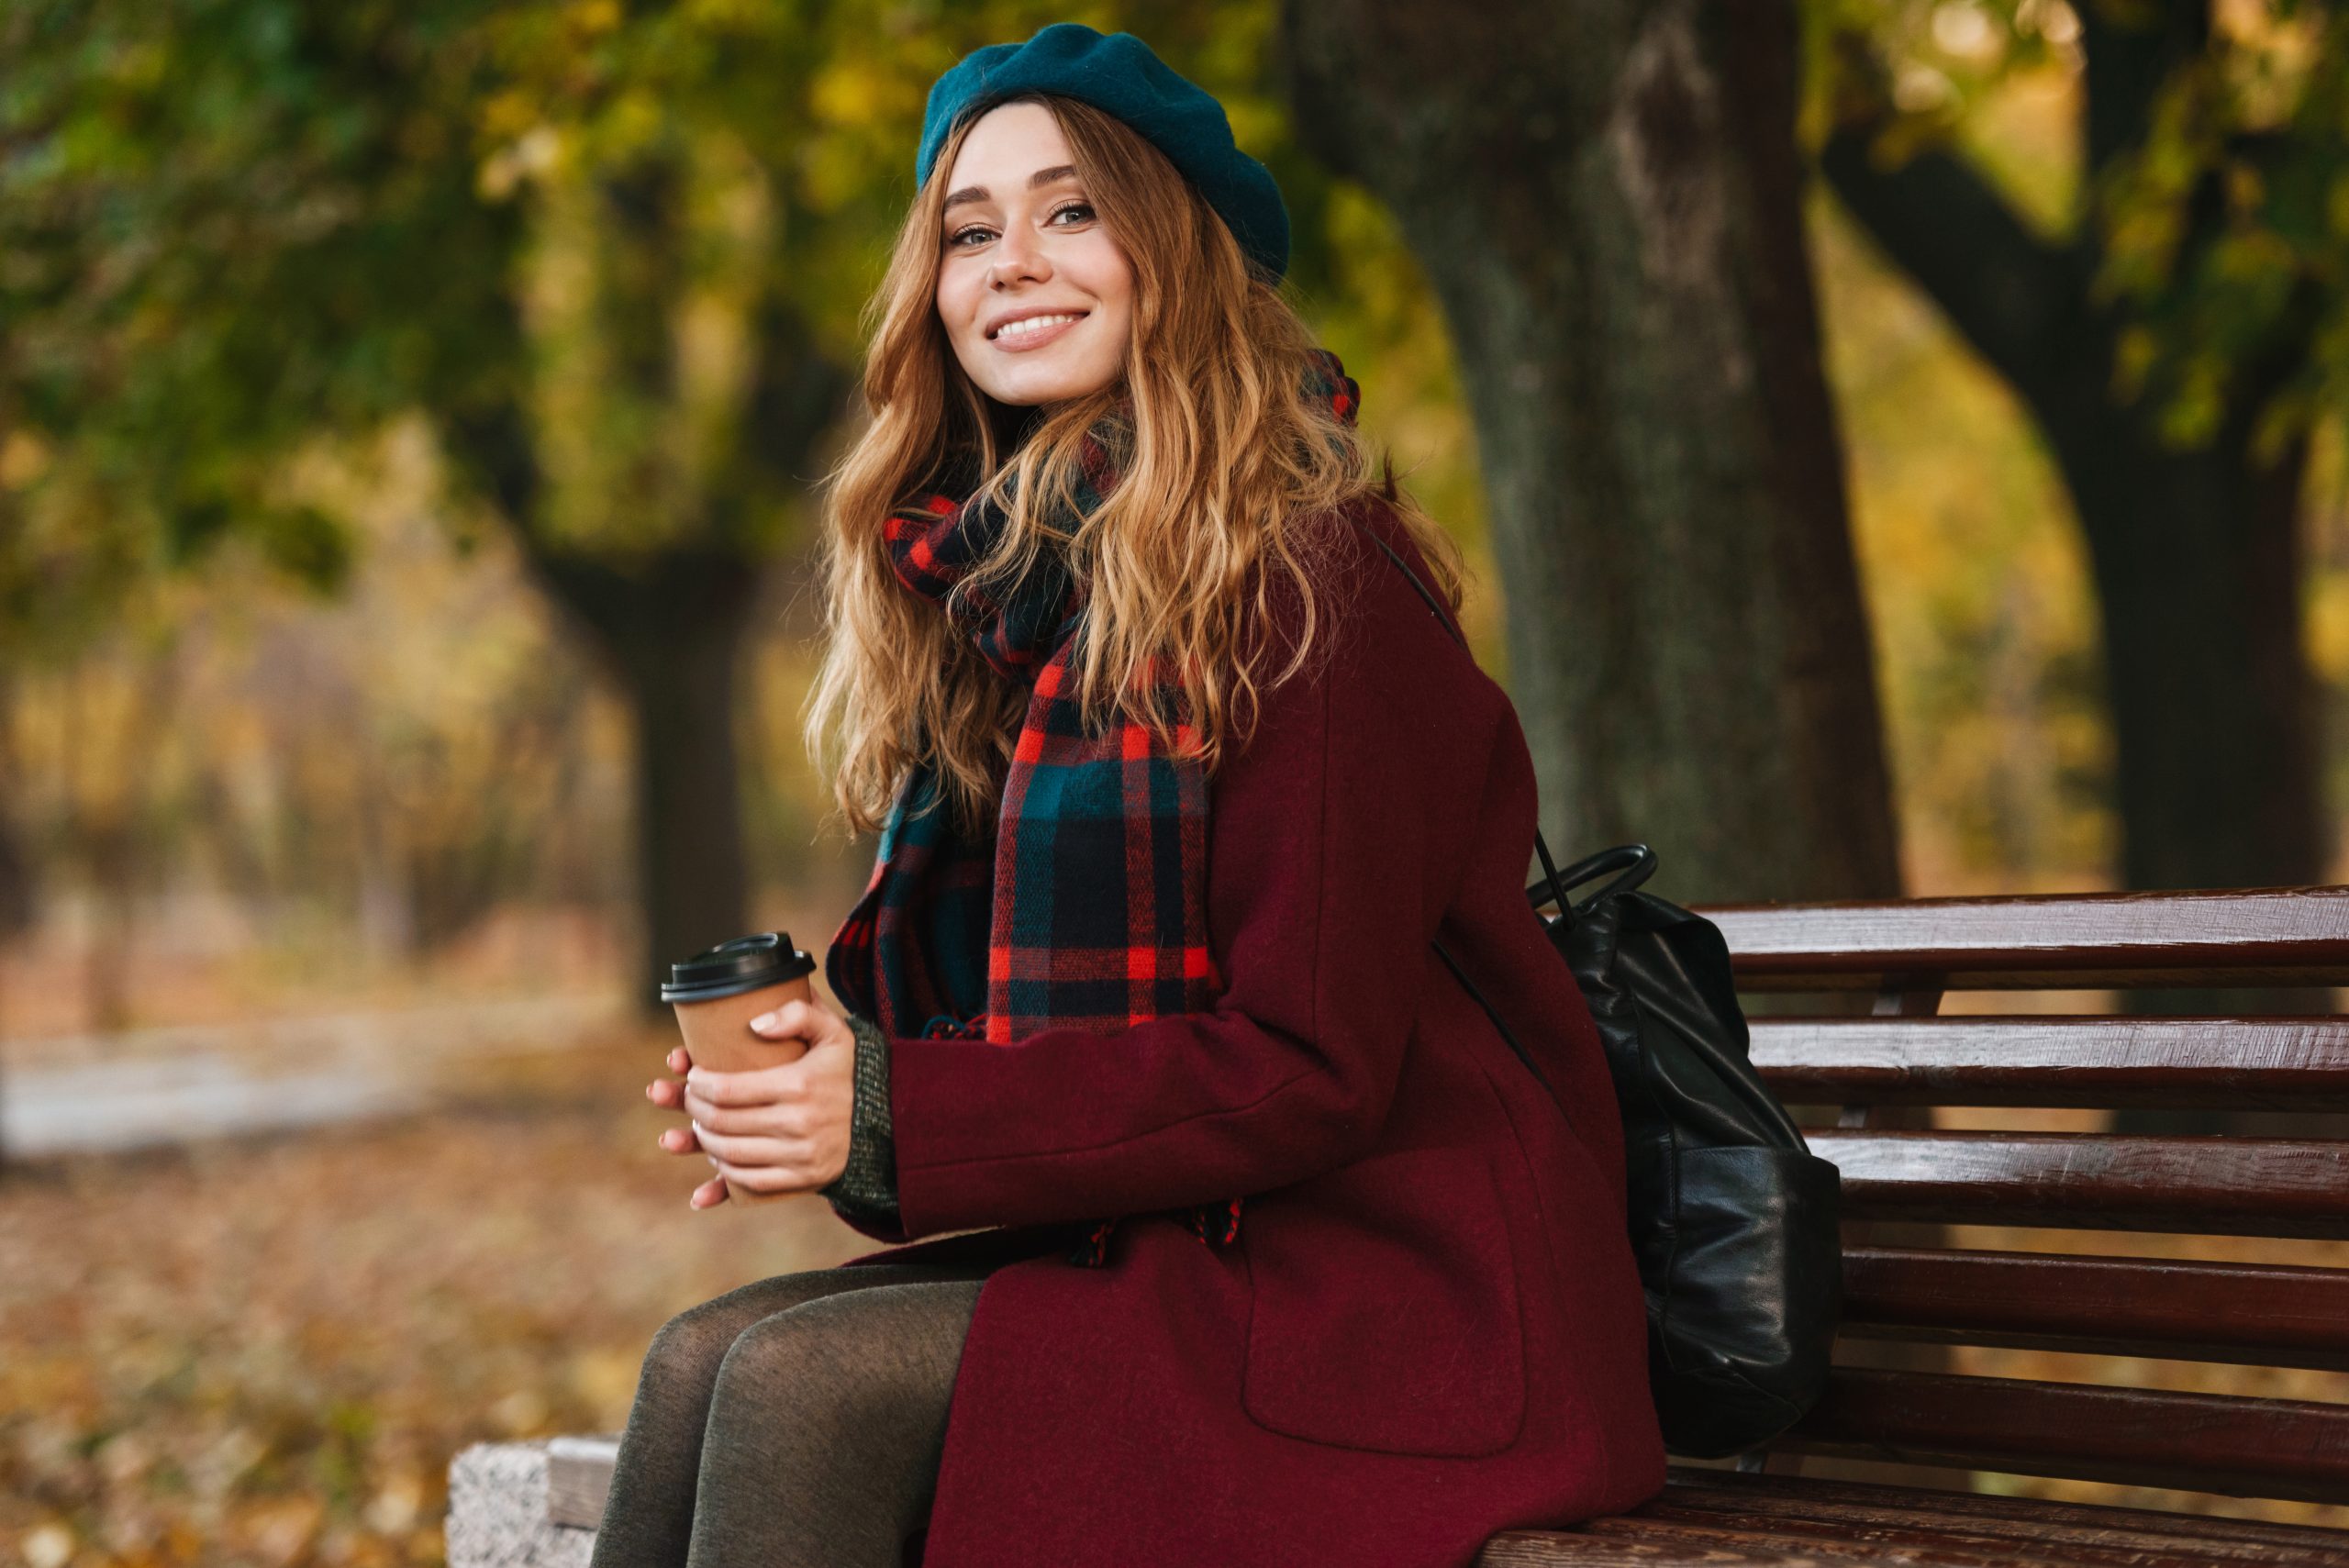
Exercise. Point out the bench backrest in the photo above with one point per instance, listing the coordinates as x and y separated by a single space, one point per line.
1908 1053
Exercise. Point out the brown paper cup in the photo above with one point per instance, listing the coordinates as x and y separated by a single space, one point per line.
717 1033
717 992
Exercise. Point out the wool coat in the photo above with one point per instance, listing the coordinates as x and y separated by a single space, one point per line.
1429 1328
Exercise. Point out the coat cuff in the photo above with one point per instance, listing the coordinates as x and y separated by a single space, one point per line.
866 1193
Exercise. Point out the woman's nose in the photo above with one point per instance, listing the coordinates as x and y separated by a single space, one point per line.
1016 256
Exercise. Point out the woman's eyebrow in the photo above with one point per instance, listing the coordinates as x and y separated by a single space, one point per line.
1036 181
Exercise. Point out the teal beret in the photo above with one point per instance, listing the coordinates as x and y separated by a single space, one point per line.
1118 75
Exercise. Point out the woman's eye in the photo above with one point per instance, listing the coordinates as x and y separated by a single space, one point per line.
1084 210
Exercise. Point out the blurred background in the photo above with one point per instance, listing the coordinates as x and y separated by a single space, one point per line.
1898 447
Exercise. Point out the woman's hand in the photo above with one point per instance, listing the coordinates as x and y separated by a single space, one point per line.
773 1130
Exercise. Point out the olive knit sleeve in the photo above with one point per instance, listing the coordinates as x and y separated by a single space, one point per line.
866 1193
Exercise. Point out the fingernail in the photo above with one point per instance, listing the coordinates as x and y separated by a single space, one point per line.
766 1020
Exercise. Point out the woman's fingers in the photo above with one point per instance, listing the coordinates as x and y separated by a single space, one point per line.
767 1165
753 1182
670 1092
752 1151
752 1126
778 1084
779 1119
815 1022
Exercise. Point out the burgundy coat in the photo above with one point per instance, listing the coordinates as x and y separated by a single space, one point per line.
1430 1326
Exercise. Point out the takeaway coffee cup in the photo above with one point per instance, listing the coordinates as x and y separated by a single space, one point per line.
717 992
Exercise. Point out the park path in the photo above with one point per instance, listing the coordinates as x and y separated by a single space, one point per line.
175 1084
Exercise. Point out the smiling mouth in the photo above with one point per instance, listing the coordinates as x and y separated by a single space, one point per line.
1028 326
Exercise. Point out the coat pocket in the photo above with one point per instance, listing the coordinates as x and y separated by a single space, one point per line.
1385 1311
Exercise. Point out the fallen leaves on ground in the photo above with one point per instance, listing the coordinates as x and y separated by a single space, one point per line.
266 1351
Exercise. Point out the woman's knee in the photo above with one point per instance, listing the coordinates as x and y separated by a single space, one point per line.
693 1345
883 1357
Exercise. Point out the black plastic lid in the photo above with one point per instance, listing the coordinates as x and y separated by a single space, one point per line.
731 968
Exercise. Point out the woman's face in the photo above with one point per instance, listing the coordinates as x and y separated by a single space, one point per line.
1036 296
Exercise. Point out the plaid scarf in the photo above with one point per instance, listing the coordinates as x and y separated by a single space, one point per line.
1086 906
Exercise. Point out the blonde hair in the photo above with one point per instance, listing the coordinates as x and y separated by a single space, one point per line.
1227 464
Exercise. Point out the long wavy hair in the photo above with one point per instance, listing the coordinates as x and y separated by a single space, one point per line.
1229 463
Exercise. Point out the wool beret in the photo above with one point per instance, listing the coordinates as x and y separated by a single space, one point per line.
1118 75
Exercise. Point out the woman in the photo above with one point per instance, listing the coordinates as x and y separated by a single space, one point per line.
1267 1246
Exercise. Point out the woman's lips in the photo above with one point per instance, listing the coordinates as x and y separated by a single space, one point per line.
1019 342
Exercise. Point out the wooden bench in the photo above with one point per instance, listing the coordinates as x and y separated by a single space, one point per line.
1883 1068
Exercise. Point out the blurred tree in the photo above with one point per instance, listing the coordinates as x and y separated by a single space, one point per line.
1607 200
264 222
2174 330
615 255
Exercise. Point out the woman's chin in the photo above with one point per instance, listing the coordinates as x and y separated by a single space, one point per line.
1032 390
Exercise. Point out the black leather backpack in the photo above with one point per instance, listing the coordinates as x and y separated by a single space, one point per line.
1733 1220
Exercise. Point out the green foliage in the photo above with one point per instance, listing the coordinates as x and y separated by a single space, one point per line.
221 233
613 259
642 238
2215 226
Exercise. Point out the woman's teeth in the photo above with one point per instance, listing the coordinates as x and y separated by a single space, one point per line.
1030 324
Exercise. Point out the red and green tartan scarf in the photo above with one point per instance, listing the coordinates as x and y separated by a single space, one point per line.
1085 906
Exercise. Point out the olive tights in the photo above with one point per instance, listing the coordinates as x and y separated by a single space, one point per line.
796 1421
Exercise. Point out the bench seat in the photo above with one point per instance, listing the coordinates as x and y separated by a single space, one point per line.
2262 967
1704 1518
1725 1517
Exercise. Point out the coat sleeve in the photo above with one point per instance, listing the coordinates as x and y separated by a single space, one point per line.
1334 838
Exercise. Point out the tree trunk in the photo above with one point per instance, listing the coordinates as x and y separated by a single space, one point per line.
669 627
19 893
2196 557
672 634
1608 211
2195 553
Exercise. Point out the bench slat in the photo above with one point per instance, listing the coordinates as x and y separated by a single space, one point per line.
2237 1186
2207 1442
2241 937
1541 1548
1836 1544
2257 1314
2213 1533
1803 1519
2150 1535
1917 1539
2268 1063
579 1479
